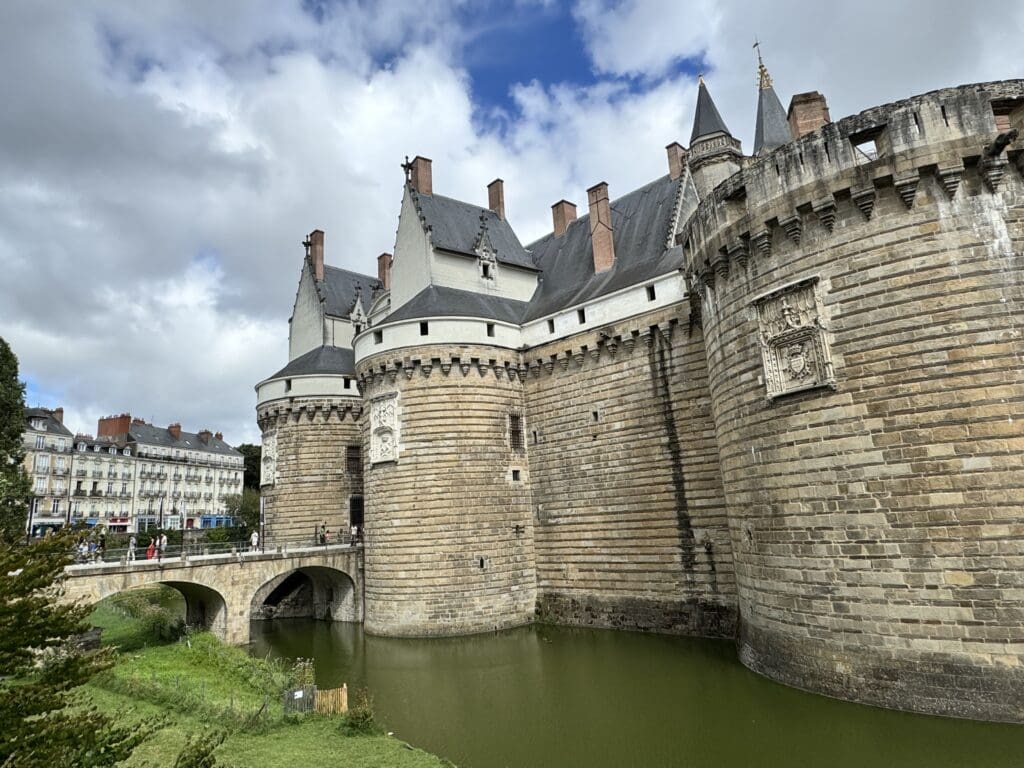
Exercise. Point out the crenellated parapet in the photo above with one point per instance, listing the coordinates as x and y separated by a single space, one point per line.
309 411
948 140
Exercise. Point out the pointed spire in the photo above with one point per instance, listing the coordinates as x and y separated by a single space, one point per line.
772 127
706 120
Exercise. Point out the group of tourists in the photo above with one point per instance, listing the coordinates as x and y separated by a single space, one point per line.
323 536
90 549
157 547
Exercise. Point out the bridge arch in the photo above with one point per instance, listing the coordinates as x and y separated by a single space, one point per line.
205 607
312 591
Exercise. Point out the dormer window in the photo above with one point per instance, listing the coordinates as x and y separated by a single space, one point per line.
81 447
112 451
38 424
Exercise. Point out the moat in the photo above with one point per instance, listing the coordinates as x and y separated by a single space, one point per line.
552 696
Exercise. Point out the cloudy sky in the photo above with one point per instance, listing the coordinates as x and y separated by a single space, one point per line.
160 162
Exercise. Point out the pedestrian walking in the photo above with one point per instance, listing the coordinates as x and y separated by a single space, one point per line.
131 548
355 533
151 549
161 545
323 533
254 542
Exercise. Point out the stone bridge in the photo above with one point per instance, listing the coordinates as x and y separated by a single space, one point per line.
224 592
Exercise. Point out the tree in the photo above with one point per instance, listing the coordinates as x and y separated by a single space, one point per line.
15 486
253 455
41 663
245 508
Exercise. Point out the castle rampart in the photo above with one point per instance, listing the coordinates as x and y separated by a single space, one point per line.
864 347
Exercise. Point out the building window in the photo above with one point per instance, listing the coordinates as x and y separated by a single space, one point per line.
424 329
287 385
515 431
359 329
354 459
581 315
127 451
38 424
40 486
43 463
40 442
81 446
355 511
490 330
650 293
378 337
515 475
348 383
551 325
61 443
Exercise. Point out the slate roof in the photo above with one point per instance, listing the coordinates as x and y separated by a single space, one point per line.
706 120
50 424
455 226
439 301
147 434
340 287
772 127
640 222
327 360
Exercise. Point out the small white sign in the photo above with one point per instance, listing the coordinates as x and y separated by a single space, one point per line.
297 694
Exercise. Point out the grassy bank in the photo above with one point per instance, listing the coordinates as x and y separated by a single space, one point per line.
197 682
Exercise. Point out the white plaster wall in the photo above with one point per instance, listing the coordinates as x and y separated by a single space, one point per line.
668 289
410 269
305 386
306 330
339 332
450 330
463 272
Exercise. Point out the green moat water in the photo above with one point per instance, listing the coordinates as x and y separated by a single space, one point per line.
543 697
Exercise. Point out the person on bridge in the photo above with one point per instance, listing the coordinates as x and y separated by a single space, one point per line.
131 548
161 545
254 542
151 549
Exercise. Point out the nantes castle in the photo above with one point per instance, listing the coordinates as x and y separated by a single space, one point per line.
775 397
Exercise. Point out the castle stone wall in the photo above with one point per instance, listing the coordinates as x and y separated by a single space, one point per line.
304 452
449 531
630 515
864 340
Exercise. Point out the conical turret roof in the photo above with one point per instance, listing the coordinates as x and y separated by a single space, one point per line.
706 120
772 127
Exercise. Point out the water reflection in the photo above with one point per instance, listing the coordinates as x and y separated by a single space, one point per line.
544 696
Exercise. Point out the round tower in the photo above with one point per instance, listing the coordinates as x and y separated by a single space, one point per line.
449 541
862 307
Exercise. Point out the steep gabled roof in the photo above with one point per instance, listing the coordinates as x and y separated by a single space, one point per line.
325 360
455 226
439 301
706 120
641 224
147 434
340 287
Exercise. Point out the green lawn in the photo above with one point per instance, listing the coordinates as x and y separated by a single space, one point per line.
198 682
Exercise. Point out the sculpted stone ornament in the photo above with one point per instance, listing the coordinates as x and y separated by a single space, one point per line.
794 345
384 429
268 465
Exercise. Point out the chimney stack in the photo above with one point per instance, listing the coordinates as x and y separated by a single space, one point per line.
676 160
421 175
58 414
113 426
563 213
496 197
204 436
175 431
384 270
601 228
315 246
807 113
219 435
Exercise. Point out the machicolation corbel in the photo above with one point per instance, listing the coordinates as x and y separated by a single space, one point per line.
762 240
906 186
794 227
864 199
826 212
950 178
993 160
738 253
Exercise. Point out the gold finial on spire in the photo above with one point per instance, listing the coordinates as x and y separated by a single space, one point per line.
764 80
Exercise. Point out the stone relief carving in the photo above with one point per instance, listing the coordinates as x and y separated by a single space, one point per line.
794 345
268 466
384 429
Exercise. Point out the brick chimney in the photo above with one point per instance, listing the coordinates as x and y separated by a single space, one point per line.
175 431
496 197
601 228
807 113
315 245
421 175
114 426
384 270
676 159
137 420
563 213
204 436
219 435
58 414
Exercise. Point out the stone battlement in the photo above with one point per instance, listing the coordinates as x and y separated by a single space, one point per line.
842 167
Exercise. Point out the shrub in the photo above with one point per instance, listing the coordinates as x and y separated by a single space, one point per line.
360 720
198 750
